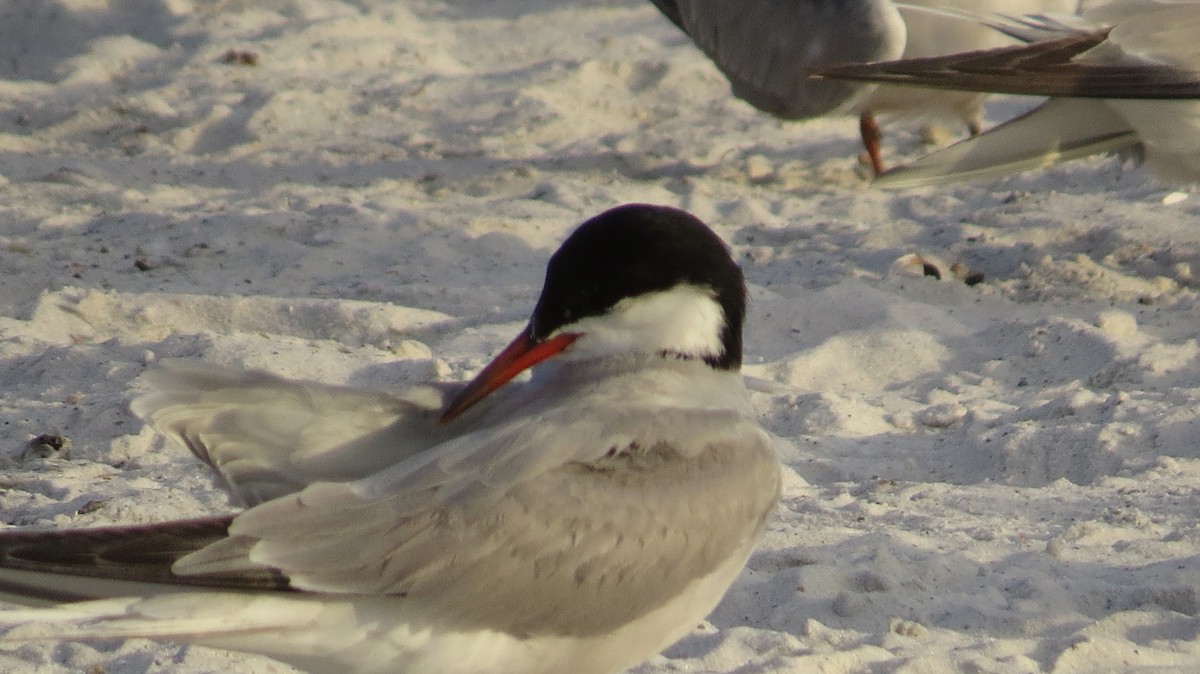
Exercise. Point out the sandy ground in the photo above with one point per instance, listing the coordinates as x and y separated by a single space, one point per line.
992 478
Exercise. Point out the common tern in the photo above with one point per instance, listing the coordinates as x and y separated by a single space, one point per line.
580 521
766 49
1124 77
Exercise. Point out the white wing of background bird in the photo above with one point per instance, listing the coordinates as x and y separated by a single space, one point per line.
1123 77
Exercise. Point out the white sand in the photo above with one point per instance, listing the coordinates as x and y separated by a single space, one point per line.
998 478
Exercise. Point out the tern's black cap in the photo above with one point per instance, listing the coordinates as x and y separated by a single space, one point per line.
636 249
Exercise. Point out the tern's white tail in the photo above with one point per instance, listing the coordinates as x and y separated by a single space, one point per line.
1060 130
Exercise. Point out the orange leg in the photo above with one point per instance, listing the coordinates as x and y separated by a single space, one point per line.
871 134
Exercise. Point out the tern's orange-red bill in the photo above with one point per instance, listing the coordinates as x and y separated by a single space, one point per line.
521 354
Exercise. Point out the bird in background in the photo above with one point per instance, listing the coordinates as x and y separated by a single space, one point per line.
1123 77
580 521
767 48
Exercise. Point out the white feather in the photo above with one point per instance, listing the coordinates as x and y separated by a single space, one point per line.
683 320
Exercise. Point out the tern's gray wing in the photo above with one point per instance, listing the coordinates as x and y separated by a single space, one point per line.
268 436
582 544
766 48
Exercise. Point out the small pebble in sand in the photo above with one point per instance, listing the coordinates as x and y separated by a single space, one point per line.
907 628
918 265
963 273
923 264
45 446
240 57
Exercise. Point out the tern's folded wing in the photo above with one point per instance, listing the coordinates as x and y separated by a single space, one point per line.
269 436
580 546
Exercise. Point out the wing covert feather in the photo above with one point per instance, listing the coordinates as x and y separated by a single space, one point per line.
267 436
616 533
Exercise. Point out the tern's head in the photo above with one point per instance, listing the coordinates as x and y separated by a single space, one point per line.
634 279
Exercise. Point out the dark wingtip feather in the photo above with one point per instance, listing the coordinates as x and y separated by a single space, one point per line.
138 554
1045 68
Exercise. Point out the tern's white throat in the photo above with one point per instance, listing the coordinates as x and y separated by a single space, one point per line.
685 320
